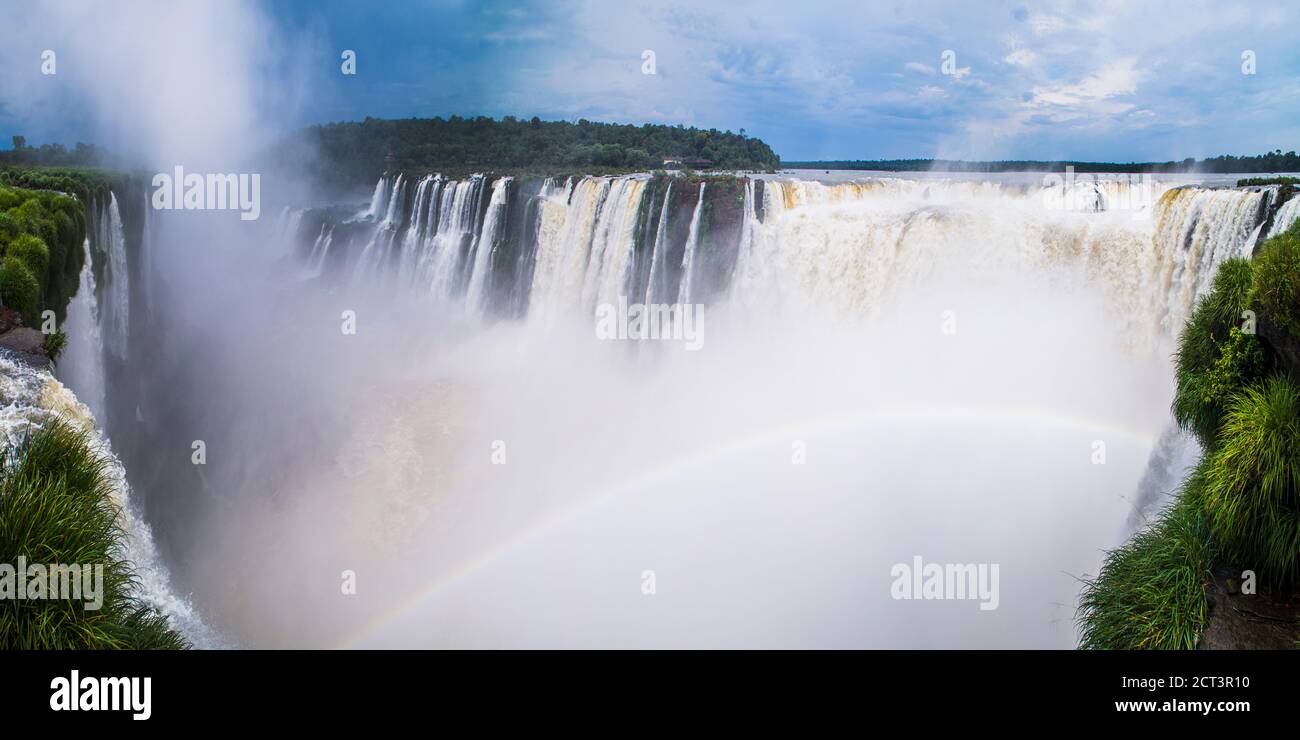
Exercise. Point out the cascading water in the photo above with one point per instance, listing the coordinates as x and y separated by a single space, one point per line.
486 242
692 243
825 305
655 288
82 363
95 325
1286 215
847 246
116 312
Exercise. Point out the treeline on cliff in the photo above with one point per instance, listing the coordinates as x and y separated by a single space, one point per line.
43 225
1274 161
51 155
359 152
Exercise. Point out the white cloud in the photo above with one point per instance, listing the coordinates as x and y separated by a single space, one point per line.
918 67
1044 24
1021 57
1115 79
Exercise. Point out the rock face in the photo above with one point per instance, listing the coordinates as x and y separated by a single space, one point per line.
1260 621
23 339
20 343
1286 347
9 319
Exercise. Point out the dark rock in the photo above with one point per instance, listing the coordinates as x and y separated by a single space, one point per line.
1285 346
1265 620
9 319
23 339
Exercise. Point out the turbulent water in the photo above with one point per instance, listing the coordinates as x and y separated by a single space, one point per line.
96 324
848 247
873 326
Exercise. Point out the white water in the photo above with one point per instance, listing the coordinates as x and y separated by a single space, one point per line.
32 398
483 245
655 287
1286 215
688 255
116 312
82 363
974 445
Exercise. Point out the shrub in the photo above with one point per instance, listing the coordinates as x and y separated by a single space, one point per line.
1150 593
56 507
1215 358
1252 491
1277 280
10 198
9 228
33 252
19 289
54 344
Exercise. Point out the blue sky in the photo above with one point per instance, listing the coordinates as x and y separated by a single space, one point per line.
1095 80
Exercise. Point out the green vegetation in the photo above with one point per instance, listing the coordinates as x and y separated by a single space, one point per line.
20 289
1215 357
1278 269
1150 594
1274 161
356 152
1241 505
1252 491
56 508
42 229
1249 181
51 155
55 342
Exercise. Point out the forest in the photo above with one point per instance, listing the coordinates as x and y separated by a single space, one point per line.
1274 161
359 152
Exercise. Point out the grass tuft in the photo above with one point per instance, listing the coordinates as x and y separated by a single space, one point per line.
1252 496
1150 593
56 507
1215 357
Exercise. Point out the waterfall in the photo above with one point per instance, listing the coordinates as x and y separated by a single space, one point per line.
688 260
612 248
378 200
117 310
486 242
82 364
846 247
655 287
449 248
375 256
1285 216
564 239
33 398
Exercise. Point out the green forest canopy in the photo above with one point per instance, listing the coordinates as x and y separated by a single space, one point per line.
357 151
1274 161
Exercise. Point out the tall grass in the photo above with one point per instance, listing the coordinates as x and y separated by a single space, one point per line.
1215 358
1252 491
1150 593
56 507
1277 284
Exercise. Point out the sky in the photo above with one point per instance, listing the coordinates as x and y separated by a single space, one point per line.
820 79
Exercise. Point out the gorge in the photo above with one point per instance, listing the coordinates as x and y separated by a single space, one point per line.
474 297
